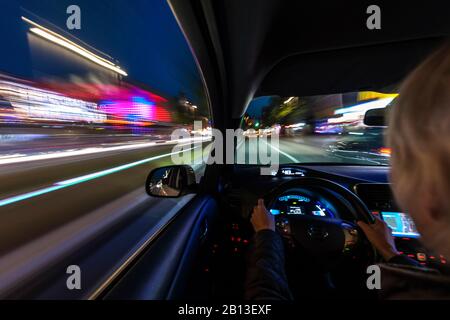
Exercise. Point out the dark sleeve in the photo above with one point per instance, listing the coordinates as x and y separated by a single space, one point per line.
266 277
404 260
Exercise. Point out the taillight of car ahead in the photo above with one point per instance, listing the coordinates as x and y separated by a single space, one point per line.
384 151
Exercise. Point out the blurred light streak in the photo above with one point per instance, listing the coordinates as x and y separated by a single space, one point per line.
371 95
134 109
33 104
288 100
71 47
296 125
363 107
29 195
68 183
25 158
356 133
346 118
385 151
66 43
24 101
328 129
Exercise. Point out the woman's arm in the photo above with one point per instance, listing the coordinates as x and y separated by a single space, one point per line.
266 276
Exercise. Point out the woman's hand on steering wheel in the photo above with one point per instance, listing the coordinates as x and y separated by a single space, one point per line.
380 236
261 218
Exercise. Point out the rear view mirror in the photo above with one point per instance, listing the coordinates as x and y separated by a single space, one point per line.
376 118
171 182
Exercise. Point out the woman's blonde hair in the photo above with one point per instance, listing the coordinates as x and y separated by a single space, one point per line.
419 128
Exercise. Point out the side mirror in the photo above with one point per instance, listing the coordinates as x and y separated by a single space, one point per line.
376 118
171 182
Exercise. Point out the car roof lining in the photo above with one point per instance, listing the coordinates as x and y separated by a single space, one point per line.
370 68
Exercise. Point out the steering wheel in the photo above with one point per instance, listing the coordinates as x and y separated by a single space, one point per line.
328 242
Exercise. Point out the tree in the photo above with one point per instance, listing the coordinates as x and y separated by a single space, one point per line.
284 112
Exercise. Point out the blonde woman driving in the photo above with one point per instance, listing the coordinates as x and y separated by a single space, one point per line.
419 136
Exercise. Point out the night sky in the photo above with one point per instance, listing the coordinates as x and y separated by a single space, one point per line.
141 34
257 105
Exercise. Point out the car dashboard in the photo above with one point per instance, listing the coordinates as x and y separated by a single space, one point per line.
369 183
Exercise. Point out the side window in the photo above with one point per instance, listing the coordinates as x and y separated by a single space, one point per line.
89 97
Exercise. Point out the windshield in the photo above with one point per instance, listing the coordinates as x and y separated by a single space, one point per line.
320 129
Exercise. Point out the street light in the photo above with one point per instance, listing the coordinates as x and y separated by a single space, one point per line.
195 108
70 45
288 100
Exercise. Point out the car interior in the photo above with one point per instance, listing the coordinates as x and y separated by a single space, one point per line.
255 48
247 49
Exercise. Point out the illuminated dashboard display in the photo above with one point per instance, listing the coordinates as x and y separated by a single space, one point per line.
401 224
296 204
292 172
294 198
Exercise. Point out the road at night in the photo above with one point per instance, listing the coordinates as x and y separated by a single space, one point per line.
310 149
39 196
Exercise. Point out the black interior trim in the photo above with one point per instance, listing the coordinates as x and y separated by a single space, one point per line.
162 271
